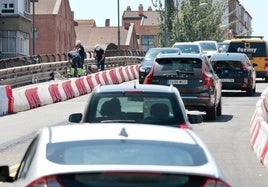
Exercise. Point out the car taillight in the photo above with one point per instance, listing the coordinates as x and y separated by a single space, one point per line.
209 182
244 68
266 63
207 80
48 181
148 77
184 126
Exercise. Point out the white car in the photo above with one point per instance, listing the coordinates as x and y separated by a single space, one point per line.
116 155
209 47
188 47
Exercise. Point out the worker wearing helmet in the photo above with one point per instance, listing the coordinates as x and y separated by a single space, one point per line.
99 57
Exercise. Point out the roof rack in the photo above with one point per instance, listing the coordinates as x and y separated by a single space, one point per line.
261 37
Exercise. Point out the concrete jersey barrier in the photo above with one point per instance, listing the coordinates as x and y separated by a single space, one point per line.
259 129
33 96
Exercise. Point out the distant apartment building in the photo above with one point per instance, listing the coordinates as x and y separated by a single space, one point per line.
15 28
239 20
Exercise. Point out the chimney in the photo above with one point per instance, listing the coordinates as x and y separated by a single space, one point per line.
140 10
107 23
128 8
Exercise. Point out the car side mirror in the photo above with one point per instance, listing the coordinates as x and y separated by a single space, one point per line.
195 118
75 118
4 174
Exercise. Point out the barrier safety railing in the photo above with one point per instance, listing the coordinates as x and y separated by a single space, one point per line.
41 68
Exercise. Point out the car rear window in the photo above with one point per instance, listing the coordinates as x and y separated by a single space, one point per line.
135 107
181 64
252 49
131 179
127 152
188 48
208 46
227 65
153 53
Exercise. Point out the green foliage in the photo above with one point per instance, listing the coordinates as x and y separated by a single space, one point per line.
196 20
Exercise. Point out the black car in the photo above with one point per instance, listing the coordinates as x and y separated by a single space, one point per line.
235 71
148 60
129 103
193 76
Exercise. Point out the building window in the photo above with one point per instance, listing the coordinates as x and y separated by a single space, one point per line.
4 6
147 42
7 8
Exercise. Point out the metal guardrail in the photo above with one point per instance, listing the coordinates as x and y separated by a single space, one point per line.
45 58
45 71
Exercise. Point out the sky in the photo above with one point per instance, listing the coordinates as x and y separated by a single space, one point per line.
100 10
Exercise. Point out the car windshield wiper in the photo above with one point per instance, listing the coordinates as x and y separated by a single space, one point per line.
184 72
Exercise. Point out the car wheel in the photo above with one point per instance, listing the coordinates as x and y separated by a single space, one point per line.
249 91
211 113
219 109
254 89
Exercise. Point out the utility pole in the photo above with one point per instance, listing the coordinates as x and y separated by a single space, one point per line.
33 29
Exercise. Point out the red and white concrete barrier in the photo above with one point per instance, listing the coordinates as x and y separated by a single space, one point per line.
259 129
6 100
31 97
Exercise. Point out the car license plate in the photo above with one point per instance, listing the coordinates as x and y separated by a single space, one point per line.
227 80
177 81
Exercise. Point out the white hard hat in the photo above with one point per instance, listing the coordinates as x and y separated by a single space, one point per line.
97 47
78 42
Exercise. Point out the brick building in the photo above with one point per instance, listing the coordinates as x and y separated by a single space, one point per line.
146 24
107 36
54 22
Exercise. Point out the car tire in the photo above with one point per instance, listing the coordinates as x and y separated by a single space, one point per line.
219 109
254 90
211 113
266 79
250 91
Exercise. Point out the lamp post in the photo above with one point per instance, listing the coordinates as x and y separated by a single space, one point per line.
33 29
165 23
118 25
201 5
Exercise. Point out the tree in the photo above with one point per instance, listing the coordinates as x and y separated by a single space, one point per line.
195 20
167 14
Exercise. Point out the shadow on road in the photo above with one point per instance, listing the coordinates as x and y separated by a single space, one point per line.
228 93
220 119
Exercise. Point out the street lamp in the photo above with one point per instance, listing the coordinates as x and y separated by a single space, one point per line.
33 29
201 5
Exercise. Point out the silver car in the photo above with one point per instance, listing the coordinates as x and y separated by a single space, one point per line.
116 155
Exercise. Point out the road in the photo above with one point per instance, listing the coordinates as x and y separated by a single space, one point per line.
227 137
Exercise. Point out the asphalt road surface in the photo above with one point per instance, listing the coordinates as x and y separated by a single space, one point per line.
227 137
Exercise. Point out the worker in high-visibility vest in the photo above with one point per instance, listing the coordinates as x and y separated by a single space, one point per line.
76 60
